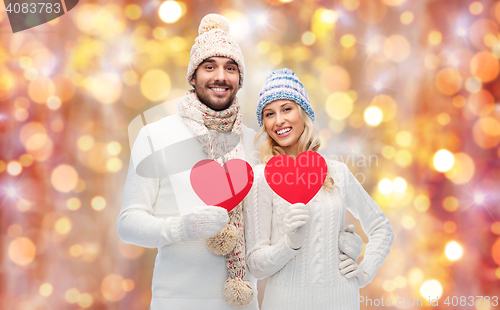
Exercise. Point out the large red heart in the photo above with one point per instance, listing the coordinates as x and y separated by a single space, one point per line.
296 180
224 186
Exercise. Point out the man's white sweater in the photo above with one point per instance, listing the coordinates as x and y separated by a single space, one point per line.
309 278
186 274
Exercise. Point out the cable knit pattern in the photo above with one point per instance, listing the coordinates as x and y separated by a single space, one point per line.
309 278
334 199
316 242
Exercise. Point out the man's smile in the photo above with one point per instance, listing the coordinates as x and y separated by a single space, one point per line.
219 90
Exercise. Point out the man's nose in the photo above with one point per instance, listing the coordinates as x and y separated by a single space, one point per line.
220 74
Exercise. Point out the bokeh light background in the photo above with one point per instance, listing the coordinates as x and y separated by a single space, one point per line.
406 93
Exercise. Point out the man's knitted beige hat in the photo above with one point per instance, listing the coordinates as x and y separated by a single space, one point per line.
213 40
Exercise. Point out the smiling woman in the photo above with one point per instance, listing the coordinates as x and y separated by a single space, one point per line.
304 249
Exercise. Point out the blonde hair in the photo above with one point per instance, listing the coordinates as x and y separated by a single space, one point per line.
308 141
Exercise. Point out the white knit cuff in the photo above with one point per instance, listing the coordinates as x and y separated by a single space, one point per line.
366 279
267 261
285 250
287 240
368 268
170 231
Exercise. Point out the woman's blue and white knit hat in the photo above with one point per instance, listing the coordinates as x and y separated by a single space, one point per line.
283 84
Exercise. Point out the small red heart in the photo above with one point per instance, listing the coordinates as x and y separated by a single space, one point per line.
296 180
224 186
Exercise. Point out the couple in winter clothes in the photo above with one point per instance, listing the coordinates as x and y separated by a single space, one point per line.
209 258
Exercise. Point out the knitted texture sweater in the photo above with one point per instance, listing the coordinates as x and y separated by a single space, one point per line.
309 278
186 274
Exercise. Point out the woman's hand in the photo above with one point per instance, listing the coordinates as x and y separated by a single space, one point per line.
295 221
350 269
350 243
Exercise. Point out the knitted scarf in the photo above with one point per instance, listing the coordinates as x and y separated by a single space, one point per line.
207 126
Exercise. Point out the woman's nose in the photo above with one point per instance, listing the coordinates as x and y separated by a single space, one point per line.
280 120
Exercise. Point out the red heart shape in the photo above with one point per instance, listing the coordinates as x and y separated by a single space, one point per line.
296 180
224 186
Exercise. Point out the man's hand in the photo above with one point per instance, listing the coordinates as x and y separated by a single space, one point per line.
350 269
204 222
350 243
295 221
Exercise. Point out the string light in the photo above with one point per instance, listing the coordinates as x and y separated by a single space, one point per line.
11 192
261 19
461 31
378 86
479 198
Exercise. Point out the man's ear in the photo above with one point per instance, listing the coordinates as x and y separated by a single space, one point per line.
192 81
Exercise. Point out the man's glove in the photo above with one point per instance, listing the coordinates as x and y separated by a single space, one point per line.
350 243
204 222
295 221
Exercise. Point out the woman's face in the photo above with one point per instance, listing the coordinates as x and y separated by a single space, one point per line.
283 124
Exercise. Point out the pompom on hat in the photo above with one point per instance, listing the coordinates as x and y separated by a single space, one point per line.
213 40
283 84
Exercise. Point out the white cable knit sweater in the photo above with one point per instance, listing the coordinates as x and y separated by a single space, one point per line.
309 278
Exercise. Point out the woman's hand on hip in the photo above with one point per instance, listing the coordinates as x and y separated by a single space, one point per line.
350 269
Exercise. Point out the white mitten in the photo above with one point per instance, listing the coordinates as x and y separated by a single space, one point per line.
350 243
350 269
204 222
295 221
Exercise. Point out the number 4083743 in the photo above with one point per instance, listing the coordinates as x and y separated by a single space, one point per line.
34 8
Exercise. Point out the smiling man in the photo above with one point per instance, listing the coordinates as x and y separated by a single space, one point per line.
200 262
216 82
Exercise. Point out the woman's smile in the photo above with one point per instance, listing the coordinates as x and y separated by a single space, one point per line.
283 132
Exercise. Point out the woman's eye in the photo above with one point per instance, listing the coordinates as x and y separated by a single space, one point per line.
287 109
268 114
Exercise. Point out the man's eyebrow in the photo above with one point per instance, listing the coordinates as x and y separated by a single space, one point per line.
229 62
207 60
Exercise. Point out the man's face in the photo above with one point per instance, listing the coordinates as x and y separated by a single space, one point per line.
216 82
